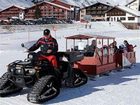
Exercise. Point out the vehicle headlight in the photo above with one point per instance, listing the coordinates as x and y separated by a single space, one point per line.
30 56
30 71
19 71
11 70
18 67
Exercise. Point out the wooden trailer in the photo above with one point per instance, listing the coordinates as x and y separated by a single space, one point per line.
103 58
126 59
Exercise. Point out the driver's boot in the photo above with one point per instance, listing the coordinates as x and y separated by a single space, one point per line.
59 76
69 82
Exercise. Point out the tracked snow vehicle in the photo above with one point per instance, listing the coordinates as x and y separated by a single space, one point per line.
40 75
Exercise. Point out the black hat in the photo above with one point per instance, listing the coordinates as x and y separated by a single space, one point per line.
46 32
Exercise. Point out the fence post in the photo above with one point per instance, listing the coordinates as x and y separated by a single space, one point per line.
28 33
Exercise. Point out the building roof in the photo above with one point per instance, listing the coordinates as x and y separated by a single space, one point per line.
130 2
53 5
79 36
57 5
86 37
128 10
13 6
104 2
70 2
4 4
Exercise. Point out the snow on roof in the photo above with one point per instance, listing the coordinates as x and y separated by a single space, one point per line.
12 6
58 5
102 2
19 6
107 2
123 2
69 2
54 5
130 2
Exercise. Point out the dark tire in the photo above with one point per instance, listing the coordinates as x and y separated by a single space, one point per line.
78 79
7 85
45 89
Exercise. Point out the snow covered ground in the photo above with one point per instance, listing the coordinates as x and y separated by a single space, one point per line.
120 88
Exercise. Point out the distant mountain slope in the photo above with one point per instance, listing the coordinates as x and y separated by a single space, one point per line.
89 2
83 3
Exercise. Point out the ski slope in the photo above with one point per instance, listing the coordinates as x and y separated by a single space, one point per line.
120 88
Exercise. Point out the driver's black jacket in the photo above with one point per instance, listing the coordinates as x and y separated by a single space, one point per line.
45 44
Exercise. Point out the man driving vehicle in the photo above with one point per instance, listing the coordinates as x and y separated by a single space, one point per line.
48 48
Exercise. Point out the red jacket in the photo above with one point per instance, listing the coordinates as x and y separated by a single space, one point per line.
45 44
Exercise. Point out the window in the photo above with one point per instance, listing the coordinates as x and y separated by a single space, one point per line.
99 12
111 51
114 18
105 7
63 11
99 7
82 11
42 7
94 12
105 51
131 18
94 8
122 18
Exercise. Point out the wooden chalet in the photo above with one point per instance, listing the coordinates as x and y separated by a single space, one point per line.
12 11
97 11
48 9
130 18
74 9
55 8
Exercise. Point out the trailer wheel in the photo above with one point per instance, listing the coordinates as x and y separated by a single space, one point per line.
77 79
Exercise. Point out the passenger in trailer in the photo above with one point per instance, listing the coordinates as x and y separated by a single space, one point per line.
128 47
91 48
114 46
116 50
122 48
